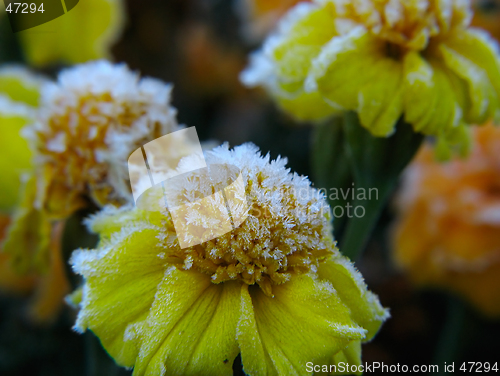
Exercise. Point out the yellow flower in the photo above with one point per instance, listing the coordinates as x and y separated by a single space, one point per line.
19 97
87 125
384 59
447 234
84 33
275 289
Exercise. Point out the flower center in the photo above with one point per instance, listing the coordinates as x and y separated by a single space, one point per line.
406 23
282 234
81 138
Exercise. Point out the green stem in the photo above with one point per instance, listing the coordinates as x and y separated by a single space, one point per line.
359 229
449 342
376 164
330 164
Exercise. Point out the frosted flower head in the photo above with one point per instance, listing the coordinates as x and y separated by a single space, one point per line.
384 59
283 224
89 122
275 279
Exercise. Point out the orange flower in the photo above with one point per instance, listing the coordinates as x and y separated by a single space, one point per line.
448 234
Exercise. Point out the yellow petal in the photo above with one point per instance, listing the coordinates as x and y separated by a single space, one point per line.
482 96
255 358
366 310
308 106
111 219
352 71
479 48
16 155
456 140
20 85
419 84
75 298
303 42
85 33
305 321
19 91
191 329
433 96
121 281
350 355
152 319
380 102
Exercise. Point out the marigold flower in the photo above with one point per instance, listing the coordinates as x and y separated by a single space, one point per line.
447 234
384 59
275 289
89 123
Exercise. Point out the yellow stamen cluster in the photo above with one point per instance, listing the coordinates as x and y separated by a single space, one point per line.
407 24
286 228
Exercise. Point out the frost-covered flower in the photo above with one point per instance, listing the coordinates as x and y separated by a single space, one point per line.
448 230
384 59
88 124
274 289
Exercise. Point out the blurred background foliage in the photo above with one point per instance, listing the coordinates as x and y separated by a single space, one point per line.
201 46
